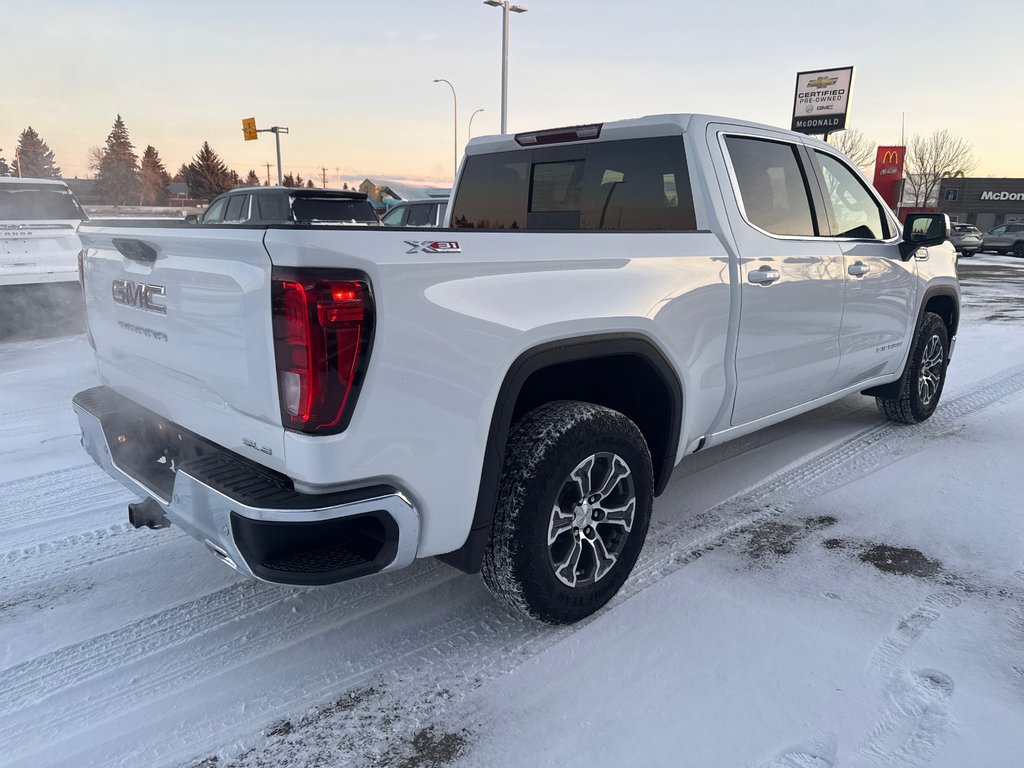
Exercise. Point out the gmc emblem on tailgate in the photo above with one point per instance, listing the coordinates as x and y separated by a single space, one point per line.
142 296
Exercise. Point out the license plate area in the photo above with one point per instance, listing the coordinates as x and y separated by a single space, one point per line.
149 450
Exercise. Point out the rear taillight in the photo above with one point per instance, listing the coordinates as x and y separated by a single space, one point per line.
323 328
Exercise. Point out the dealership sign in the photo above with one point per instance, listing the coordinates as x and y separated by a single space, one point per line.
889 173
822 100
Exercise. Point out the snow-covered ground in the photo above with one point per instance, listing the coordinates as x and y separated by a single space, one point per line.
836 590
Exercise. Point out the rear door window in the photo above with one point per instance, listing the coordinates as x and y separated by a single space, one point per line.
773 190
420 215
235 205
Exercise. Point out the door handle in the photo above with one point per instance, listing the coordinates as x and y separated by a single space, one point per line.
763 276
859 269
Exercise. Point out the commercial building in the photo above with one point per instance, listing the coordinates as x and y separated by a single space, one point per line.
985 203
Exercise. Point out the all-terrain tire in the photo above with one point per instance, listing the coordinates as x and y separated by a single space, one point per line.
543 490
926 376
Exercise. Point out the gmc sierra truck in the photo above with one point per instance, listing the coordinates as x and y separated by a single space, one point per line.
509 393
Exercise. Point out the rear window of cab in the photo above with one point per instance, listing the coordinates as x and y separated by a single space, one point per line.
631 185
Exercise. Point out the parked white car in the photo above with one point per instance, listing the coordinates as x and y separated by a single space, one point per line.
39 243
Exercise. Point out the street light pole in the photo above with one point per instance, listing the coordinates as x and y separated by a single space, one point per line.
469 131
277 131
505 6
455 129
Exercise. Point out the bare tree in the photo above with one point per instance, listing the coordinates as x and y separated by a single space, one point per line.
930 158
95 159
856 146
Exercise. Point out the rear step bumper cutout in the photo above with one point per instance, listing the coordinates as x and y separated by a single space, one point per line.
248 515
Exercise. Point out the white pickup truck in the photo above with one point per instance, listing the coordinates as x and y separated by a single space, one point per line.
508 394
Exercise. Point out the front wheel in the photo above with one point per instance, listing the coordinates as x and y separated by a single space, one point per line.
925 377
574 504
1018 250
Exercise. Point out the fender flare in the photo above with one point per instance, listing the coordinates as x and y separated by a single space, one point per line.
469 557
894 390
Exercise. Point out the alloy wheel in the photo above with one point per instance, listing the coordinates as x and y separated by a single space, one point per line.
591 520
930 377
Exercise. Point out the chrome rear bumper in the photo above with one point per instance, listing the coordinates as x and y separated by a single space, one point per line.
249 517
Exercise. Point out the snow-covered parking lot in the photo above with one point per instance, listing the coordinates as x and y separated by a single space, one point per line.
838 590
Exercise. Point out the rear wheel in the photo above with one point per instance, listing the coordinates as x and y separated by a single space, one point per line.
927 374
574 504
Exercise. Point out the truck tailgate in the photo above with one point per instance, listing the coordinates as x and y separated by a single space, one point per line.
181 321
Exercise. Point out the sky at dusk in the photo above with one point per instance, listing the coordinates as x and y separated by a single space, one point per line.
353 80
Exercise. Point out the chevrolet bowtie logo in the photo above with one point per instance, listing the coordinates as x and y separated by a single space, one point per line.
822 82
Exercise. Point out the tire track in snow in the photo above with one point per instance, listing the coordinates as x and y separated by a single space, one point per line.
487 643
491 642
60 493
208 655
58 557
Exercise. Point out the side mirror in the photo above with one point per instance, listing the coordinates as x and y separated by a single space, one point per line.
922 230
192 218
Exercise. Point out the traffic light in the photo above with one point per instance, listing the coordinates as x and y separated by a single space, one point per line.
249 128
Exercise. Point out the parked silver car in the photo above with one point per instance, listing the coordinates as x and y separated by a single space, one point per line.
1005 238
966 238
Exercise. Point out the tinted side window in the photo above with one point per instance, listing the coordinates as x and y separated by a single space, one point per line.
640 184
635 184
215 212
997 231
853 210
234 209
492 192
273 207
773 190
419 215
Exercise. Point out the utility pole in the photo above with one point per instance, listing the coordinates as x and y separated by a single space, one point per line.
268 173
323 176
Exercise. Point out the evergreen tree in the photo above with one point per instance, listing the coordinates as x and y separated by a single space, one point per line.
288 180
180 175
299 181
34 160
207 175
117 181
5 169
252 180
310 184
153 179
345 185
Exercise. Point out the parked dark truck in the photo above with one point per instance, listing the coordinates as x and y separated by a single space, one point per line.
316 403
